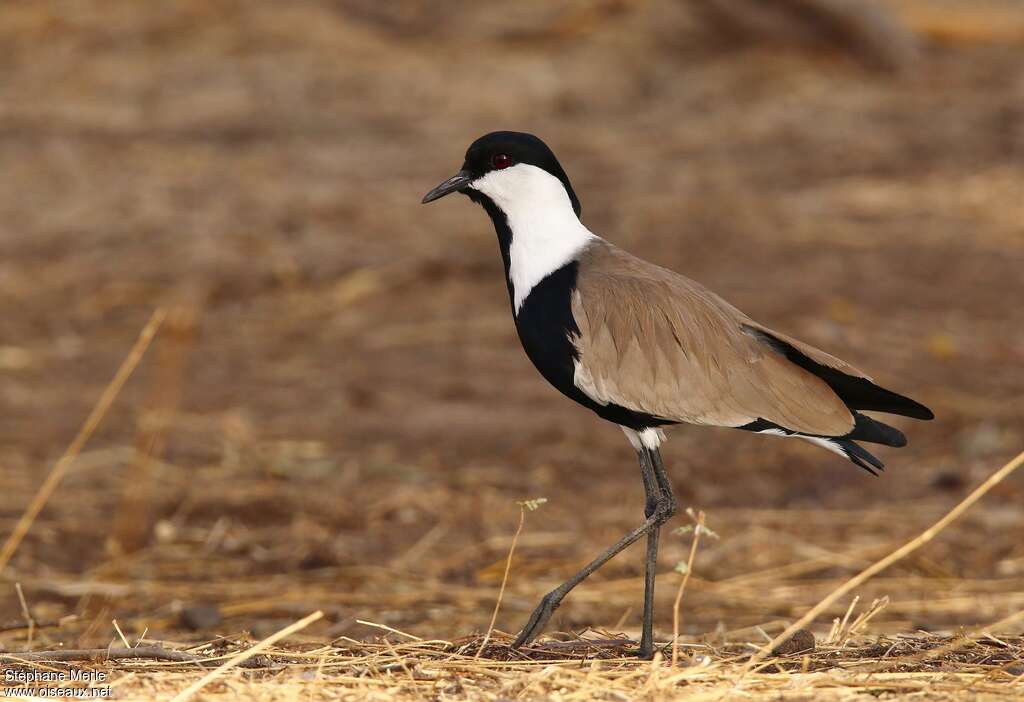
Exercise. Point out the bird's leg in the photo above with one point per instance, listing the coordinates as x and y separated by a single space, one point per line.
659 508
659 492
652 491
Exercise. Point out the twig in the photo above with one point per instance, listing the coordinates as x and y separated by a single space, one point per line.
45 624
99 655
862 621
99 411
840 625
246 655
29 621
385 627
682 587
897 555
120 633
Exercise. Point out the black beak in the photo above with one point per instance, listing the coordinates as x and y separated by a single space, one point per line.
453 184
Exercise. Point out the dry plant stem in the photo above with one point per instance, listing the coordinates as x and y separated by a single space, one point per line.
35 626
682 588
385 627
245 655
504 580
29 621
897 555
99 411
98 655
120 633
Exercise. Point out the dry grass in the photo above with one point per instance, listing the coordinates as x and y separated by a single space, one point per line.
860 667
982 663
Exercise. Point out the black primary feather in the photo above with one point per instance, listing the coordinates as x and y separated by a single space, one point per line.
860 456
857 393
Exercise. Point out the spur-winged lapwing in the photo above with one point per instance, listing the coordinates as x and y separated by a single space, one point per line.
645 348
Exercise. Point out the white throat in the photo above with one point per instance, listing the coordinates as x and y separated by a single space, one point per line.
546 233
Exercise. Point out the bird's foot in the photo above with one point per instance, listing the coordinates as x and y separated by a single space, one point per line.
647 650
538 620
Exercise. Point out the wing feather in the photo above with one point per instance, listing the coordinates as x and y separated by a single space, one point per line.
653 341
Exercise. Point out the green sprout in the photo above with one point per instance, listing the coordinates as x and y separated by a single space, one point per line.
532 505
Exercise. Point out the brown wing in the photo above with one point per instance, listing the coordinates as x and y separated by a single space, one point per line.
654 341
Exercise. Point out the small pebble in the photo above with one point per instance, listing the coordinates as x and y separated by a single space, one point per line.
800 642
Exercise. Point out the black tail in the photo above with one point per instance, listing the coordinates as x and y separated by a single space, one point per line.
859 456
857 393
875 432
865 429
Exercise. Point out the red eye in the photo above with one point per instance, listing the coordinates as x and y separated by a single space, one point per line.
500 161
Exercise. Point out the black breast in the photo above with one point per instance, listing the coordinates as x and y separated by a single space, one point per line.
546 326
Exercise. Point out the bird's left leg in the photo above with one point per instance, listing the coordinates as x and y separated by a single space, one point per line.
659 509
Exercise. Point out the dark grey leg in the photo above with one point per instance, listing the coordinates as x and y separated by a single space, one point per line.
647 635
660 492
659 508
662 477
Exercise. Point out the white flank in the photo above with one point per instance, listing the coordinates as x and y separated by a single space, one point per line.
648 438
546 233
824 443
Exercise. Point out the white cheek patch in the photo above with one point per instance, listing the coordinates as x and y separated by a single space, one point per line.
546 233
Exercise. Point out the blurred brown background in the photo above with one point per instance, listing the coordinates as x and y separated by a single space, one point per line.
338 413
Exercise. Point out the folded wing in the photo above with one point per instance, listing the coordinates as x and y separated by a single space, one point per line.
654 341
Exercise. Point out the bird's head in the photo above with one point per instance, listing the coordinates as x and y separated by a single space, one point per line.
513 170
